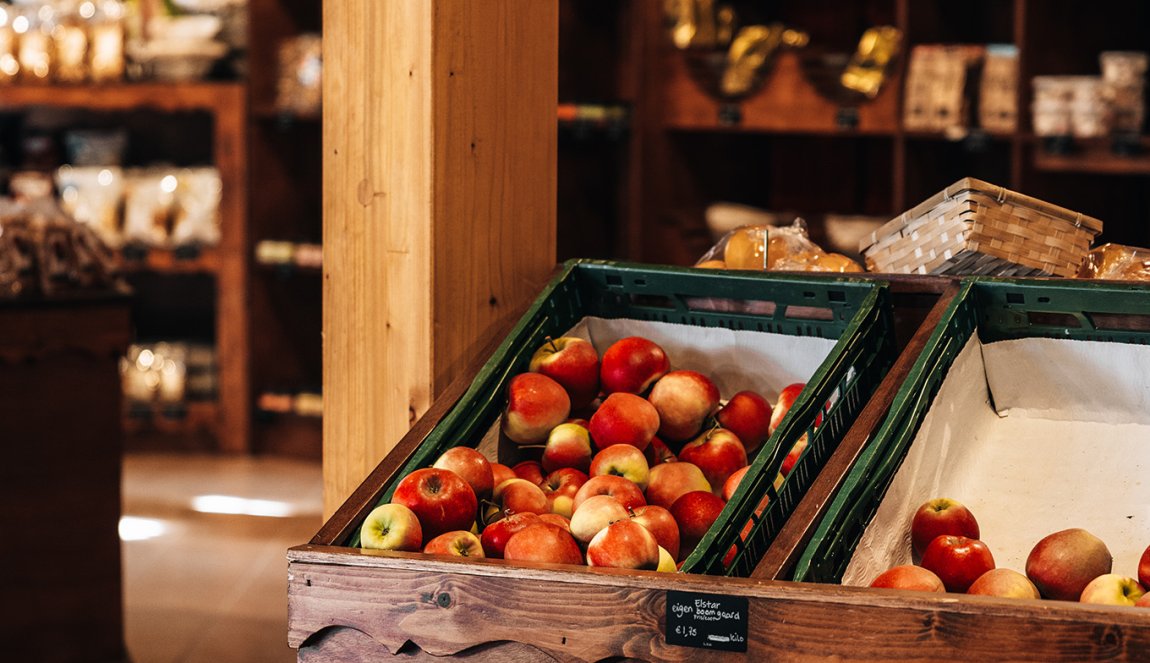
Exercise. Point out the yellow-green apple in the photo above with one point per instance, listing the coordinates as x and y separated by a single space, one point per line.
1006 583
1112 589
621 489
668 481
391 527
783 405
457 544
535 405
684 400
500 473
514 496
1144 568
530 470
441 499
793 455
560 487
695 512
748 415
568 445
624 419
658 452
632 365
1063 563
941 515
718 453
957 560
573 363
909 577
495 536
543 542
661 523
594 514
666 561
557 520
622 460
472 466
624 544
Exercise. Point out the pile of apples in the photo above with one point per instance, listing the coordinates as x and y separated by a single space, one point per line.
1069 565
635 463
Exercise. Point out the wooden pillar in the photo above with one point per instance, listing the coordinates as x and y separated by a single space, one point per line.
439 202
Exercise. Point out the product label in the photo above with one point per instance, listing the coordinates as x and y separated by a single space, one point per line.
707 621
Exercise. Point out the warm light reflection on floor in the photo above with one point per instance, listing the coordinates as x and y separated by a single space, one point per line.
242 506
140 529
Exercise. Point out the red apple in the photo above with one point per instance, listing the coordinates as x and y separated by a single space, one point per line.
695 512
573 363
495 536
632 365
530 470
500 473
441 500
621 489
560 487
1143 602
515 496
957 560
909 577
783 405
624 419
622 460
557 520
732 483
684 400
660 523
667 482
472 466
1112 589
793 455
595 513
941 515
535 405
718 453
543 542
1144 568
391 527
624 544
658 452
568 445
748 415
1063 563
457 544
1006 583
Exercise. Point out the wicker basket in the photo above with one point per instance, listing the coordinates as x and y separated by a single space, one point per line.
973 227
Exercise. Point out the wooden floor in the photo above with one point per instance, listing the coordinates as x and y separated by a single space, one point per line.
211 587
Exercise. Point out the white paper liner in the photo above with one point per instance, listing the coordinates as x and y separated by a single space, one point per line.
1070 449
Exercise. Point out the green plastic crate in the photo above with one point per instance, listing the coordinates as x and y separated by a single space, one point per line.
998 309
853 311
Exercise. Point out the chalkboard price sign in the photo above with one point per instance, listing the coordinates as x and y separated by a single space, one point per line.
707 621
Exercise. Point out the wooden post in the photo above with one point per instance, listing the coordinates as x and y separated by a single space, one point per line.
439 203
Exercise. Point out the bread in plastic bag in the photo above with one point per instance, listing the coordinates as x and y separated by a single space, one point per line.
774 248
1116 262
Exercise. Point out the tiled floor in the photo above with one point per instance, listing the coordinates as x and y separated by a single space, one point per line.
212 587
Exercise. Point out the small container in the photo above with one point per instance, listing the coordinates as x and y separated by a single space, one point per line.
1089 120
35 50
1051 118
1053 89
1123 67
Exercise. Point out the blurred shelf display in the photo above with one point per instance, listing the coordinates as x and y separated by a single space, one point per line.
290 256
306 404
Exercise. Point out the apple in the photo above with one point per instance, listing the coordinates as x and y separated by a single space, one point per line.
1112 589
495 536
748 415
1143 602
560 487
658 452
622 460
500 473
543 542
684 400
391 527
941 515
441 499
530 470
515 496
573 363
957 560
666 561
1144 568
1006 583
624 419
695 512
557 520
661 524
732 483
457 544
667 482
621 489
595 513
568 445
718 453
535 405
472 466
783 405
793 455
909 576
632 365
1063 563
624 544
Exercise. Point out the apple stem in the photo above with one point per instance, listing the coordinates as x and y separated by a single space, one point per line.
551 342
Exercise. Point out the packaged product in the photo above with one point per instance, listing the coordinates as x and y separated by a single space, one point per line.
1116 262
774 248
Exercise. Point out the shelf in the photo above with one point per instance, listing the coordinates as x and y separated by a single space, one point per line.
1095 157
284 118
168 261
124 96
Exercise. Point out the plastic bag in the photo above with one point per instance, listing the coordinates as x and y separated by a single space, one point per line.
1116 262
774 248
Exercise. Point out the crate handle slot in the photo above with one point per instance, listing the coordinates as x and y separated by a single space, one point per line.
808 313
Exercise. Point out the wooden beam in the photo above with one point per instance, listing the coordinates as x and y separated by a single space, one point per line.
439 203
